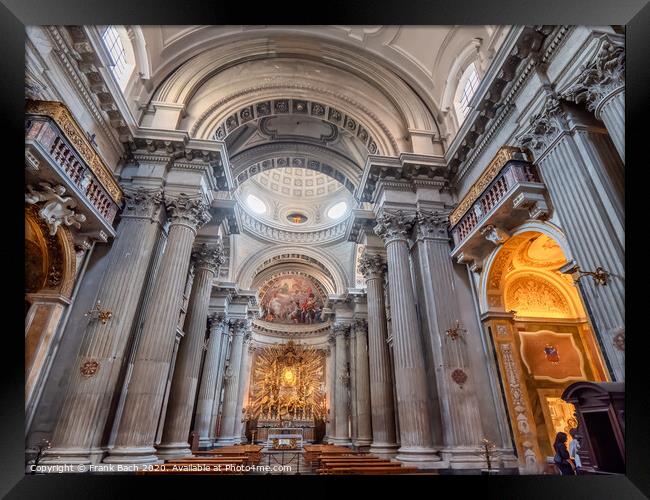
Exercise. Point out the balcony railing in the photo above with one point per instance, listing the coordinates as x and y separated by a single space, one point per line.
512 175
50 127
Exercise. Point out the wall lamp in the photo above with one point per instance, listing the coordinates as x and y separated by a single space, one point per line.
600 276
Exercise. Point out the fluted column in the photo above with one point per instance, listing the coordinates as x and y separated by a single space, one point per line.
178 421
330 427
382 409
459 407
77 436
601 86
137 429
584 178
244 379
352 392
226 336
208 384
410 370
342 384
231 379
364 426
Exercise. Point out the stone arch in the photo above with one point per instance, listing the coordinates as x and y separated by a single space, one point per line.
316 259
269 156
490 282
50 260
186 73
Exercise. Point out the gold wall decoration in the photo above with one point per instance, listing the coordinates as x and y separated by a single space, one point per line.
287 384
533 296
61 115
504 155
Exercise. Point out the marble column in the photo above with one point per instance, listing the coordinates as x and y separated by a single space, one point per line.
584 178
178 421
244 380
459 407
79 430
352 392
137 428
410 369
331 388
364 426
601 86
231 379
226 336
342 384
209 376
382 409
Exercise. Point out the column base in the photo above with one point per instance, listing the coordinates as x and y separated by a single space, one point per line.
205 443
389 449
340 441
73 456
132 455
225 441
362 443
173 450
417 455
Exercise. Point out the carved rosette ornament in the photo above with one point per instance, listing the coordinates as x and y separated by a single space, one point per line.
459 376
89 368
433 224
619 340
394 226
190 212
209 257
141 202
601 79
372 265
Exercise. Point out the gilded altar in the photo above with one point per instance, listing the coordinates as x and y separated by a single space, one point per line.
288 390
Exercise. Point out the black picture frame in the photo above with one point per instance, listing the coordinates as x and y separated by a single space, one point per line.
16 14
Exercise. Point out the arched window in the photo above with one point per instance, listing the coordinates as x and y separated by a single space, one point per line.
465 91
120 50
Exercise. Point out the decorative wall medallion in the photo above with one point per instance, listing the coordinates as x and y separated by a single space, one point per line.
89 368
502 330
459 376
619 341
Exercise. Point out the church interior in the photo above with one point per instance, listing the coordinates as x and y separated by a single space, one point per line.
324 249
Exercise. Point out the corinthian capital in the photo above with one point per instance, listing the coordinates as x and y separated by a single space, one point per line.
142 202
545 127
208 257
191 212
601 78
393 226
341 329
433 224
361 327
371 265
216 321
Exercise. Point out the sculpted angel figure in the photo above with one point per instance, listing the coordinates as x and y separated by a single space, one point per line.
56 209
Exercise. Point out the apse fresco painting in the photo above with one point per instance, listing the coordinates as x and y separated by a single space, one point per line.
292 300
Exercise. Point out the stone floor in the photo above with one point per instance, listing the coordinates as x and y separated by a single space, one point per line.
277 460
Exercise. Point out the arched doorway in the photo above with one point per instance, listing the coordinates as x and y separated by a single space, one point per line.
542 337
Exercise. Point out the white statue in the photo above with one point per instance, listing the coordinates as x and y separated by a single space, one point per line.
56 209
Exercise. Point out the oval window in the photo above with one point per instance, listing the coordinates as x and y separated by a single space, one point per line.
338 210
255 204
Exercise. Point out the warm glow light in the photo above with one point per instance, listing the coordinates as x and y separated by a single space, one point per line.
255 204
288 375
337 210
